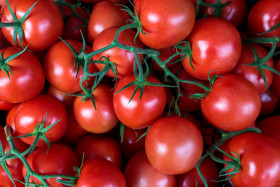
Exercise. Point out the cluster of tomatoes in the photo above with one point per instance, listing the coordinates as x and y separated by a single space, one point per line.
153 93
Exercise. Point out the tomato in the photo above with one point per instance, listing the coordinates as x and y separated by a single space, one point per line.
28 77
208 169
67 100
3 41
6 105
99 120
235 12
105 14
262 17
270 126
233 103
164 55
59 159
138 114
123 59
139 172
276 80
33 111
59 65
114 1
42 27
101 147
173 145
97 172
131 143
252 73
220 51
168 24
10 119
269 102
259 160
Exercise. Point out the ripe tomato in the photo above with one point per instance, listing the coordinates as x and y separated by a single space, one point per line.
270 126
28 77
105 14
252 73
121 58
98 172
269 102
139 172
67 100
235 12
10 119
99 120
33 111
176 141
42 27
138 114
259 160
233 103
220 51
101 147
164 55
59 159
276 80
59 65
168 24
6 105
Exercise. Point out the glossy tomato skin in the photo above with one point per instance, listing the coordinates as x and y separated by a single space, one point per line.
235 12
59 65
208 169
105 14
176 141
270 126
45 14
123 59
262 17
33 111
59 159
260 160
28 77
101 147
269 102
138 114
233 103
6 105
252 73
99 120
165 29
67 100
140 173
97 172
219 52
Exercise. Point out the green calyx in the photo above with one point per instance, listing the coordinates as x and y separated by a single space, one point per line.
218 7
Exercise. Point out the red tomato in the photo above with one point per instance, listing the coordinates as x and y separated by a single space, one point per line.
97 172
235 12
28 77
259 160
173 145
252 73
42 27
6 105
263 16
269 102
270 126
67 100
59 65
99 120
10 119
138 114
276 80
166 25
233 103
105 14
164 55
220 51
3 41
208 169
139 172
59 159
121 58
33 111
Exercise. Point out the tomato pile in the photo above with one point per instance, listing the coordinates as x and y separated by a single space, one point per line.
157 93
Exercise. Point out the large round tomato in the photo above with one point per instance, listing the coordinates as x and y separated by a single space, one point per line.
259 160
59 159
139 172
167 24
32 112
41 28
98 172
173 145
28 77
216 45
123 59
138 114
233 103
99 120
